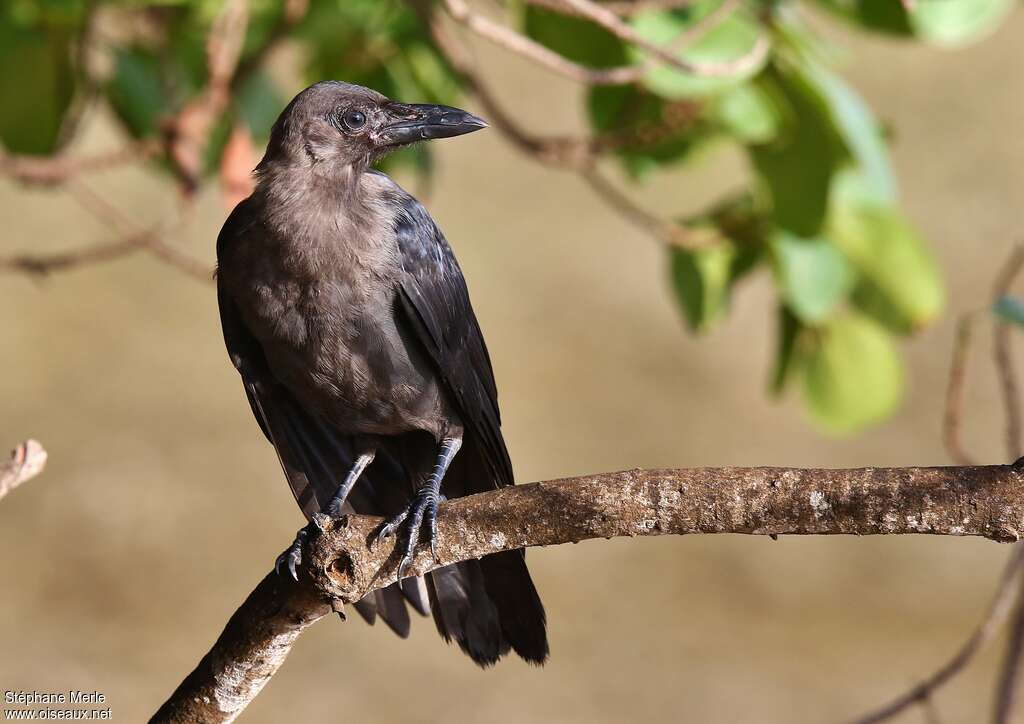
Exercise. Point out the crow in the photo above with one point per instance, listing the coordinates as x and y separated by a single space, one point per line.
348 318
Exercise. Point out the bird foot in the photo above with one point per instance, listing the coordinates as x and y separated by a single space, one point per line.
292 556
421 510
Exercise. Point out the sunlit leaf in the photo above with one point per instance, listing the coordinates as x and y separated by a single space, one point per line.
749 113
813 276
956 22
797 167
900 283
729 40
857 126
852 374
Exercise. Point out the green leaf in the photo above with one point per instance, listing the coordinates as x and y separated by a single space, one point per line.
943 22
857 126
888 16
429 74
957 22
701 280
852 375
813 276
797 167
36 85
900 284
786 358
135 91
828 124
258 102
1011 309
577 39
731 39
648 130
749 113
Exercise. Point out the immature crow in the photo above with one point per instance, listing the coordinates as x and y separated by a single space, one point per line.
348 318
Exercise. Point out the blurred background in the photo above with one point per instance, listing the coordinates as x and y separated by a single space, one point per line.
162 505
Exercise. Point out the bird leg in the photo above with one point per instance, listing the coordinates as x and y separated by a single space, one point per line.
423 506
293 555
365 458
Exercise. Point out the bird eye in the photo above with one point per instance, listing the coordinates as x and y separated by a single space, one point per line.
354 120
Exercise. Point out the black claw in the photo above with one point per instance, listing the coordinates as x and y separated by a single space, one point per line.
390 527
422 508
403 566
293 555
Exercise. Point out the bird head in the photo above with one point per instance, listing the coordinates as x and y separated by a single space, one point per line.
340 124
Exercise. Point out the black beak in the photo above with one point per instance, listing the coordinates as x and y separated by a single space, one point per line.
423 121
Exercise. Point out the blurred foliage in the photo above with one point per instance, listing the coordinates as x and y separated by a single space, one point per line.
821 212
1010 309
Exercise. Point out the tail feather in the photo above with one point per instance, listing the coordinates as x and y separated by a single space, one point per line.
464 613
389 604
523 621
415 592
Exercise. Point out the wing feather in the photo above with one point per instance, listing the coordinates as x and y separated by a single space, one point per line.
435 301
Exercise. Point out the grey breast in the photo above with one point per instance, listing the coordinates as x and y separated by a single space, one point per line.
321 299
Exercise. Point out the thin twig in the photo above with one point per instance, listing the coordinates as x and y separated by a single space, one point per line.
955 391
517 43
187 133
88 87
53 170
699 29
1006 594
339 565
665 231
635 7
565 152
1004 358
1009 674
611 22
26 461
44 264
151 240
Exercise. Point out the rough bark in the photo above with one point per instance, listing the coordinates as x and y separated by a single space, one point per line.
339 566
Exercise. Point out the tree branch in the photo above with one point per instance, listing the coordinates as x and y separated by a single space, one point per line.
339 567
26 461
53 170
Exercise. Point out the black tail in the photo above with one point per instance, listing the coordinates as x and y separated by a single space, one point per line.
489 606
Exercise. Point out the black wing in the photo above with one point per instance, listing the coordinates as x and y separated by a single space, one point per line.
435 300
313 455
487 605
